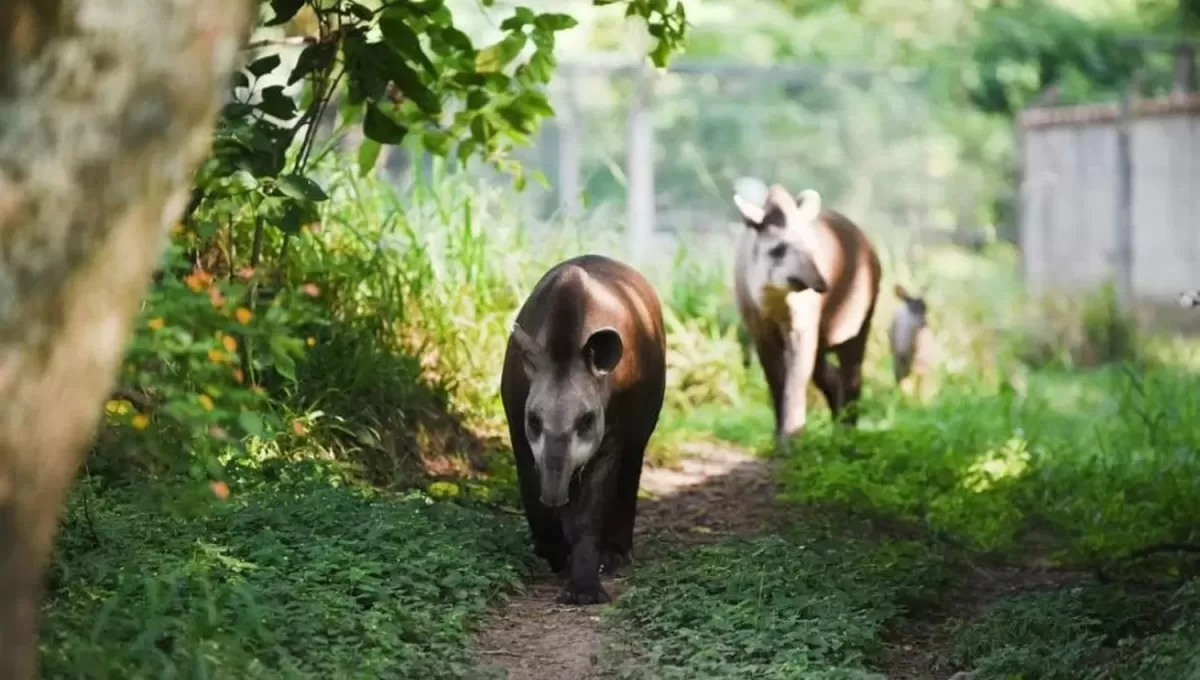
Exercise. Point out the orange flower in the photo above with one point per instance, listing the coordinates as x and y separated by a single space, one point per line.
216 356
214 295
230 343
198 280
245 273
156 323
299 427
311 289
238 375
219 489
243 315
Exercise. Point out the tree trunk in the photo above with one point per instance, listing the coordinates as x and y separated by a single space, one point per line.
106 109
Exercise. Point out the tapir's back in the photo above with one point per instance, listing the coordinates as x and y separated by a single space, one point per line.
581 295
854 272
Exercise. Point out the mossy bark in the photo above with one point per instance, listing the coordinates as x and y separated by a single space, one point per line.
106 109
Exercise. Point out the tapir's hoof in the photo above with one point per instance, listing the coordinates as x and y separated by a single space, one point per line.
585 595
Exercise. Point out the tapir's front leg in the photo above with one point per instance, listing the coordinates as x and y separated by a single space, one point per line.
800 357
581 523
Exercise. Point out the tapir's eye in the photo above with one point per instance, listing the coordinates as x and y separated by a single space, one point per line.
585 423
778 251
535 425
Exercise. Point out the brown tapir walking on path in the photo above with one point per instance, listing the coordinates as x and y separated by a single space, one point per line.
806 283
583 383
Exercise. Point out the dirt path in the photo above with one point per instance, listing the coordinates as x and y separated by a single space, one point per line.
717 490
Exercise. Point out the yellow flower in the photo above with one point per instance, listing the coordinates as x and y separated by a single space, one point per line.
311 341
140 422
244 315
206 401
230 344
117 406
156 323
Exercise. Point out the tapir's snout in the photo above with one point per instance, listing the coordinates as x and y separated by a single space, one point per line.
555 477
805 275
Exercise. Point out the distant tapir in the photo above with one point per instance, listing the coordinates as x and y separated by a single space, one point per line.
582 387
912 342
806 282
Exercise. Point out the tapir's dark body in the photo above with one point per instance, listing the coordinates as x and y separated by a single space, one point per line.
594 529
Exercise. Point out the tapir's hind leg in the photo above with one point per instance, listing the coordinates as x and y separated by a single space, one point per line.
828 380
850 357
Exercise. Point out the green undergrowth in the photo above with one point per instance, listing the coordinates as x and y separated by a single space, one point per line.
288 580
1089 465
1086 633
813 603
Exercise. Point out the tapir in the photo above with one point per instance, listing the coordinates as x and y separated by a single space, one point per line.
806 283
911 339
582 387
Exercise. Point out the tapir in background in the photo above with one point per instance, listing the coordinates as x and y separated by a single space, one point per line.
914 349
806 283
582 386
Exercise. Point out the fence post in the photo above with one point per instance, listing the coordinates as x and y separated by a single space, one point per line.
570 146
1124 235
639 164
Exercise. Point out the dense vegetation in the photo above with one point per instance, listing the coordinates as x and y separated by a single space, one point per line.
303 472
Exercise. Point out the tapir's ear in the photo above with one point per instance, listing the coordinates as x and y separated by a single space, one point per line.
808 206
603 350
752 215
900 292
532 355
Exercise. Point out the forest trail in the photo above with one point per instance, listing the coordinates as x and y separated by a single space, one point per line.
716 490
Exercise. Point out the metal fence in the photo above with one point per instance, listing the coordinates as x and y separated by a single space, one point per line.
655 153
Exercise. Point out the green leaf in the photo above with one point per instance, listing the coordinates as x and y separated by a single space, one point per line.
314 58
380 127
236 110
458 40
251 424
243 181
294 215
263 66
282 358
368 154
398 34
555 22
360 12
477 99
240 79
284 11
276 103
301 187
522 17
493 58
